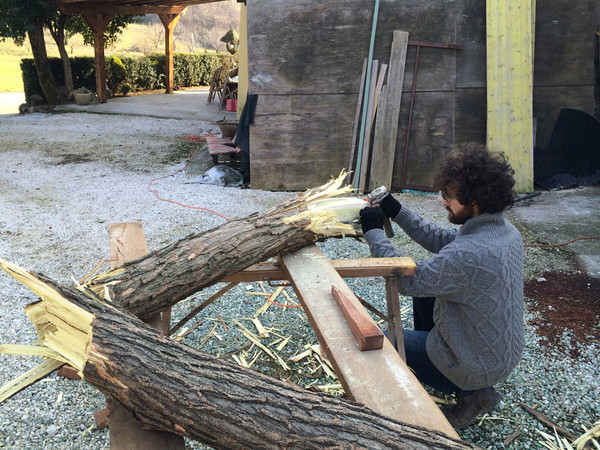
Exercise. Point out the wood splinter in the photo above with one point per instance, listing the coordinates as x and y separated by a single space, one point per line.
365 331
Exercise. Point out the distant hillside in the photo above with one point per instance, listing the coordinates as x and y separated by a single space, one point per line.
202 26
199 29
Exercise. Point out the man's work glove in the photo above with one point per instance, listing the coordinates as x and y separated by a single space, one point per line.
390 206
371 218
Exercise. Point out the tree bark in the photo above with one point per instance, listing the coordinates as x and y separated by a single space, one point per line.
164 277
42 67
172 387
57 30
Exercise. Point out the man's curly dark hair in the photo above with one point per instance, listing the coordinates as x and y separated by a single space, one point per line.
477 176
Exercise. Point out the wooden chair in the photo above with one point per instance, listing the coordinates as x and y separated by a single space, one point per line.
216 85
230 87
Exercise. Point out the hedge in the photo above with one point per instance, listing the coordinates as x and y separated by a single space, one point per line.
143 73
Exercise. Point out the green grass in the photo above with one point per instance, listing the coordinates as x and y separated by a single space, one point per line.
10 73
10 54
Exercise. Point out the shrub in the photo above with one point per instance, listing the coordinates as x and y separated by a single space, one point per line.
125 89
140 73
115 73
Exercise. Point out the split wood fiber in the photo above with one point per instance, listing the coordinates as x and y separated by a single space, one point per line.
176 388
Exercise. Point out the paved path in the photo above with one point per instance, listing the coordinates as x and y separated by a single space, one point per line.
9 103
560 216
183 104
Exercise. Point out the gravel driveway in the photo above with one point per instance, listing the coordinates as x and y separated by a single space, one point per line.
65 177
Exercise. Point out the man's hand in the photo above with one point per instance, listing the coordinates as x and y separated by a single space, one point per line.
390 206
371 218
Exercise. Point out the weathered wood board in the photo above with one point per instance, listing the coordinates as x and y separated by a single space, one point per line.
386 127
431 135
306 46
317 49
392 389
289 130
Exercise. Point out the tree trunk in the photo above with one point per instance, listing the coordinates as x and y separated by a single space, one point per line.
57 30
164 277
42 67
176 388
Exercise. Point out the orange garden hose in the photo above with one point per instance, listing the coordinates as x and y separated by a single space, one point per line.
196 138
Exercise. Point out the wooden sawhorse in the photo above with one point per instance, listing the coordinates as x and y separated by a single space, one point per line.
379 379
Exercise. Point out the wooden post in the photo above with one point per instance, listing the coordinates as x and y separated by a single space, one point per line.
128 242
395 330
169 20
98 23
510 85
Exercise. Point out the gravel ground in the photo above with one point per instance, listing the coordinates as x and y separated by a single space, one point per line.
65 177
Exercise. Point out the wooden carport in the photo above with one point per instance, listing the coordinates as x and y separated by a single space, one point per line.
98 15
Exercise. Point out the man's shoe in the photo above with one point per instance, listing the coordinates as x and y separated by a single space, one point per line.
468 408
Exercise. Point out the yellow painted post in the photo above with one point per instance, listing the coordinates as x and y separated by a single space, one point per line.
243 60
510 35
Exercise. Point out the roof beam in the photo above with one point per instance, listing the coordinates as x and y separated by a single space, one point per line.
137 7
79 8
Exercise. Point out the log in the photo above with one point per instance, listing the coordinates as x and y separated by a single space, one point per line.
162 278
176 388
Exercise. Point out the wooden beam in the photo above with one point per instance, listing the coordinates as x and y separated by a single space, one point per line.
104 8
169 21
347 268
356 123
98 24
128 242
378 379
366 332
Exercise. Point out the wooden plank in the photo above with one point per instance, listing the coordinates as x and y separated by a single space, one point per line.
367 148
386 126
366 332
355 125
347 268
292 128
379 379
127 243
510 85
394 317
362 170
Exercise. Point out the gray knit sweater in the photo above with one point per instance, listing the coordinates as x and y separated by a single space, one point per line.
477 276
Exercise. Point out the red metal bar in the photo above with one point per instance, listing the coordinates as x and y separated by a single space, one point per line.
436 45
418 44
